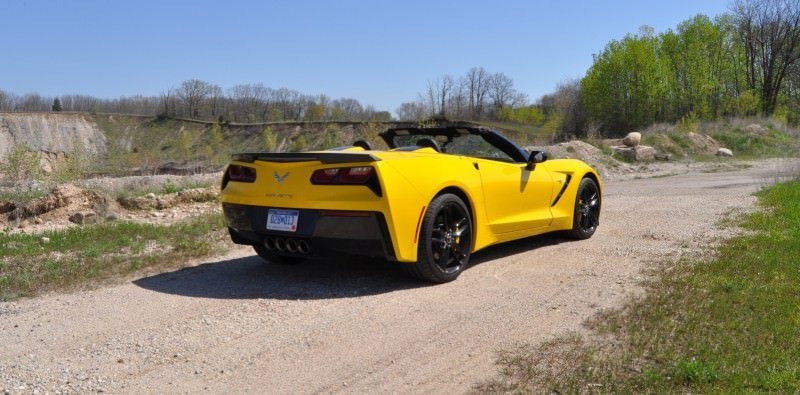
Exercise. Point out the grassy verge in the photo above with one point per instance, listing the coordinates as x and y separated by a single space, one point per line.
34 263
168 187
728 325
21 196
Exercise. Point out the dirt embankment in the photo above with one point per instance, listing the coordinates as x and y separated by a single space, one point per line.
52 134
151 199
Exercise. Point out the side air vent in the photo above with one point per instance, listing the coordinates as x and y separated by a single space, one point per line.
563 188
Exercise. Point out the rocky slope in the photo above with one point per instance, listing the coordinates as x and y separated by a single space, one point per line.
50 133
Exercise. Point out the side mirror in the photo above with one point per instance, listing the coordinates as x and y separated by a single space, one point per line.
536 157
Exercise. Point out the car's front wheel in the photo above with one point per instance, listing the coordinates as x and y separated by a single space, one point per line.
445 240
269 257
587 210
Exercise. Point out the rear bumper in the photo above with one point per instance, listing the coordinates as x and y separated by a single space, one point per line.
324 233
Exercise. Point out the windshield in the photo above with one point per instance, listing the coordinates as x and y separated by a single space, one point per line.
459 144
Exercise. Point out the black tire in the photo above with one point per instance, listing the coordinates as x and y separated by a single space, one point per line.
587 210
445 240
269 257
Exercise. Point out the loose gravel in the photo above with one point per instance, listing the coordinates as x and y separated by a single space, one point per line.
232 324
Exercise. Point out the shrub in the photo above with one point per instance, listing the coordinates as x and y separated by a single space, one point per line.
21 164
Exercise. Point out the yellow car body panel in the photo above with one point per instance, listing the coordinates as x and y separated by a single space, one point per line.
507 200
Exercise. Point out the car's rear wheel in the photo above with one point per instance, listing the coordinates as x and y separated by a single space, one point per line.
587 210
445 240
269 257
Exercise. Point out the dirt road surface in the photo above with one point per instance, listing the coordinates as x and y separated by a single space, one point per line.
232 324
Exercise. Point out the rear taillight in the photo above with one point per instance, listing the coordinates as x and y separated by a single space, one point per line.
362 175
345 175
241 173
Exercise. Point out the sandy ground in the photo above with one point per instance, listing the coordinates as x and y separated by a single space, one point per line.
232 324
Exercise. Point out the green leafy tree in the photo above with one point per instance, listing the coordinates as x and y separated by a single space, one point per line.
268 139
300 144
183 147
626 86
217 151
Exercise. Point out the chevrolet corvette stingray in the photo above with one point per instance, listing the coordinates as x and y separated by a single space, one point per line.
437 195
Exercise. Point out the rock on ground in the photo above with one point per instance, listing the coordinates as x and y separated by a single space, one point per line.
724 152
84 217
632 139
640 153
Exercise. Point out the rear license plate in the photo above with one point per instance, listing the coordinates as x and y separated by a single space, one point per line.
285 220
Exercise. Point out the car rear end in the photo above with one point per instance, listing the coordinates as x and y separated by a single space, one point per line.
309 204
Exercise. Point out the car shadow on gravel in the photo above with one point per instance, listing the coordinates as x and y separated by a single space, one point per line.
520 246
250 278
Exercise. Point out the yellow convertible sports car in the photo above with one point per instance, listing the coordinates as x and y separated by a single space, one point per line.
436 196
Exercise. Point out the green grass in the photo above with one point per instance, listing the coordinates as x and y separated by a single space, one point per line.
773 143
727 325
21 196
165 189
30 265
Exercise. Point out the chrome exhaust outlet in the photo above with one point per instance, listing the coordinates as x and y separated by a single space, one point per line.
291 245
269 243
303 247
280 244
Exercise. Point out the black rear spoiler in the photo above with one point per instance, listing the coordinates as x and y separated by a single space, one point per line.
324 157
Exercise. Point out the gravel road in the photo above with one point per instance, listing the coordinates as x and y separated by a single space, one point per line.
232 324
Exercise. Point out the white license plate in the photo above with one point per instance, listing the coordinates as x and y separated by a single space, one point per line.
285 220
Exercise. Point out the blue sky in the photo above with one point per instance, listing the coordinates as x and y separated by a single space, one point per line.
379 52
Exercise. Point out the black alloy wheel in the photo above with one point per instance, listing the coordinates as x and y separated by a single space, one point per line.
587 210
445 240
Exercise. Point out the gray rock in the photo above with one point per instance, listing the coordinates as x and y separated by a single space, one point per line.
641 153
666 157
84 217
112 216
633 139
724 152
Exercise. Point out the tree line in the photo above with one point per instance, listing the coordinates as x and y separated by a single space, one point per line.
476 95
196 99
742 63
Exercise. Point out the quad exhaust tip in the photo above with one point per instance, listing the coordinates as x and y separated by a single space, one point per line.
290 245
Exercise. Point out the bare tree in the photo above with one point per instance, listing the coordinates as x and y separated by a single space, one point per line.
477 84
770 33
501 90
193 93
411 111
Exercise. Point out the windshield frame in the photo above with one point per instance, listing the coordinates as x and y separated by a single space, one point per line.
492 137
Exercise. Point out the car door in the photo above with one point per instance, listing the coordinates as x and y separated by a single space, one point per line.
516 198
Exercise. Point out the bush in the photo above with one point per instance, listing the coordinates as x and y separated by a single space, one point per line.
21 164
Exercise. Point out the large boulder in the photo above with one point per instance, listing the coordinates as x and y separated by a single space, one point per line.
632 139
640 153
724 152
